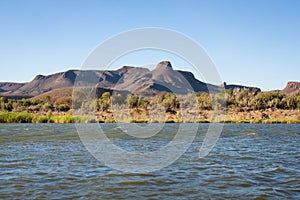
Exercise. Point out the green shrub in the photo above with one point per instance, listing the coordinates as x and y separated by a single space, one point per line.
48 106
170 101
143 103
9 117
204 101
133 101
63 108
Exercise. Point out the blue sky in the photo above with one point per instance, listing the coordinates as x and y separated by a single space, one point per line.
253 42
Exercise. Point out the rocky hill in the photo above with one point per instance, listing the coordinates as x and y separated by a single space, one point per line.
9 87
291 87
136 80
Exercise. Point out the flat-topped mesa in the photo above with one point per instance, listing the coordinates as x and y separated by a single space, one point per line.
291 87
293 84
164 65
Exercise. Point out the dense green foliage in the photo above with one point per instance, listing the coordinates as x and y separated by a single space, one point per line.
34 106
252 100
239 99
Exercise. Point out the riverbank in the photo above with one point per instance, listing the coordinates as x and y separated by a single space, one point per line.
135 116
25 117
241 106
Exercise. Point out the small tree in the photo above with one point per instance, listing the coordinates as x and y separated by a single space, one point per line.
170 101
133 100
293 101
143 103
103 104
204 101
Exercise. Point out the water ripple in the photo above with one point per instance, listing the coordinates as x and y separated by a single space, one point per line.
48 161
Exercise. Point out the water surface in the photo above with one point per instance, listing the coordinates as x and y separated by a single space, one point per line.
48 161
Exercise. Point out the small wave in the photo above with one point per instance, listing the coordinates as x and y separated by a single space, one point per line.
134 183
271 170
127 175
289 181
244 185
40 173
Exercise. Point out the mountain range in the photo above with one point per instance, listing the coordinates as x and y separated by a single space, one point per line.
136 80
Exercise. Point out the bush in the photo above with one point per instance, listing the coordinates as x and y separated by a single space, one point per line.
48 106
3 99
103 104
25 102
266 100
63 108
204 101
293 101
170 101
133 101
143 103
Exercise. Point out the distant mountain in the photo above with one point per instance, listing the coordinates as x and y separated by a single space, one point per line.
136 80
8 86
42 84
162 79
239 87
291 87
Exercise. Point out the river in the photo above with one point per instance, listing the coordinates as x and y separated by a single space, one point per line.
49 161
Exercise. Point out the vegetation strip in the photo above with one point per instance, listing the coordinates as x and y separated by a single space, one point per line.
241 106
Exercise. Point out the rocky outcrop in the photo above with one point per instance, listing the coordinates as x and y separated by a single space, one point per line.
291 87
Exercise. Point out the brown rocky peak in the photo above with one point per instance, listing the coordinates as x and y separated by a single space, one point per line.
291 87
125 69
164 65
294 85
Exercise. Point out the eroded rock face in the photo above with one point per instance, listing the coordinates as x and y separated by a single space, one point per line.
291 87
164 65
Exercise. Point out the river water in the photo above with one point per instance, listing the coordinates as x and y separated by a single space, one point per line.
249 161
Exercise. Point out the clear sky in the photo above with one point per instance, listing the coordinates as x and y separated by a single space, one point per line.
255 42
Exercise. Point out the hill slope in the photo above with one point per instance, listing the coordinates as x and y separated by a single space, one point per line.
136 80
9 87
